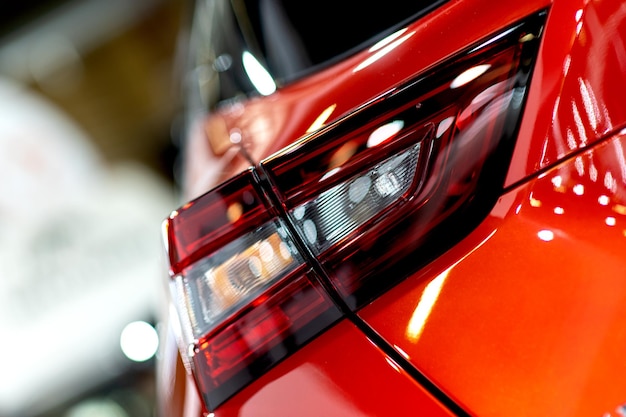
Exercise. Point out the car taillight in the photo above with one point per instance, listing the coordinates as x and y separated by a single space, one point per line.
266 261
380 193
245 296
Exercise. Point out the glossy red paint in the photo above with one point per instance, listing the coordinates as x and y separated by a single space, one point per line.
525 316
571 105
267 124
341 374
574 99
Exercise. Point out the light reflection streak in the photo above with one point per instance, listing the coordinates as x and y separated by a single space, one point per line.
387 40
580 166
392 364
322 118
494 39
258 75
443 126
571 141
579 14
544 149
425 306
402 352
590 103
607 117
593 172
469 75
430 295
580 127
384 133
609 182
566 65
381 53
555 110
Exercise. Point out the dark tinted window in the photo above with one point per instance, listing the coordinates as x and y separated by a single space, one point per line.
288 38
295 35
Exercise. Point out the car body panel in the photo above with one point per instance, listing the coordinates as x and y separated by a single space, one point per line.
575 42
264 125
504 322
574 100
326 377
527 312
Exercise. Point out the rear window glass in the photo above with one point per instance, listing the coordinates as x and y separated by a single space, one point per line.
294 36
286 39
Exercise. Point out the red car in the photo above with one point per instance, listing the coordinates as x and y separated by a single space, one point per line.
408 208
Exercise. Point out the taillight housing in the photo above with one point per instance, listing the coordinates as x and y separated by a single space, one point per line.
245 295
383 191
266 261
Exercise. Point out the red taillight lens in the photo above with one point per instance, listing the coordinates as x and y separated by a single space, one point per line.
266 331
259 262
214 220
386 189
246 298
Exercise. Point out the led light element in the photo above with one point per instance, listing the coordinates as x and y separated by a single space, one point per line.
218 284
344 208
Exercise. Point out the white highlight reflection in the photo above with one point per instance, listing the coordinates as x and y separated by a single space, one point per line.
469 75
579 14
590 103
384 133
387 40
381 53
430 295
259 76
139 341
443 126
546 235
604 200
579 189
425 305
580 126
322 118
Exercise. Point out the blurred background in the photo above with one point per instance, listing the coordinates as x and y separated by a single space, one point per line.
88 146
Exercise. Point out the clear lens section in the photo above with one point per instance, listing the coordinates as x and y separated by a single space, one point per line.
341 210
218 285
